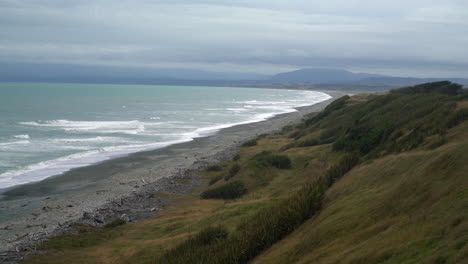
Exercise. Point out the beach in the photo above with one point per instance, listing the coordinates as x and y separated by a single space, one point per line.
122 187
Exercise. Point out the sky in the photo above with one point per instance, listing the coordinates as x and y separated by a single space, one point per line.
421 38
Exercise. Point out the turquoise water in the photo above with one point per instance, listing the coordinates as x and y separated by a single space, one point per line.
48 129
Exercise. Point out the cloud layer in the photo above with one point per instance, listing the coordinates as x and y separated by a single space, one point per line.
419 37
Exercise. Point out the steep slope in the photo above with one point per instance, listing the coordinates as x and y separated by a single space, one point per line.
402 208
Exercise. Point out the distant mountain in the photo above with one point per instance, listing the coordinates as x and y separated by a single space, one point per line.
322 76
337 76
71 73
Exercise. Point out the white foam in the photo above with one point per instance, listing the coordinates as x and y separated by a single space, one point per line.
21 142
127 127
93 139
43 170
25 136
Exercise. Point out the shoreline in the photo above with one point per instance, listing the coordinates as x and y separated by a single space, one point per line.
84 196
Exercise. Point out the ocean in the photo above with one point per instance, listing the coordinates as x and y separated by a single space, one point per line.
48 129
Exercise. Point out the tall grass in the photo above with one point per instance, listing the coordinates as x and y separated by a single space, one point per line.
267 159
232 171
227 191
264 229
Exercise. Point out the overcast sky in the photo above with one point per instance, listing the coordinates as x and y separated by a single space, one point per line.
426 38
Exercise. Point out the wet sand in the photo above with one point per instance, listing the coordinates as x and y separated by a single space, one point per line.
119 188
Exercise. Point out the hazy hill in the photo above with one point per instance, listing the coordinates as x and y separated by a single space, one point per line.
69 73
321 76
336 76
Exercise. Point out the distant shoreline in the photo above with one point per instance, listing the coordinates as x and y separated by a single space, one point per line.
126 191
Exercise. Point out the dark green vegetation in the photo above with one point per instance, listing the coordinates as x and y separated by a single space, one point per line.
444 87
116 222
215 179
250 143
214 168
232 171
230 190
371 179
203 240
267 159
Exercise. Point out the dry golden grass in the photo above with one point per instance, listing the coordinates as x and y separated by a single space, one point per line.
401 208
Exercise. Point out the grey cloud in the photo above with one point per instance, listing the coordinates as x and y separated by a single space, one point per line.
417 37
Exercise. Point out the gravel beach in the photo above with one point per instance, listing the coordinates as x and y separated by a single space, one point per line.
119 188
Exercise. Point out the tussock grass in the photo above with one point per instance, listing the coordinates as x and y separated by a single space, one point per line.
267 159
265 228
227 191
250 143
232 171
215 179
214 168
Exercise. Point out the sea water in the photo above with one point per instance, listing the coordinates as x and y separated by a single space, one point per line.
48 129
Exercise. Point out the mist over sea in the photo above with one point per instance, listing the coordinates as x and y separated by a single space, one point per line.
47 129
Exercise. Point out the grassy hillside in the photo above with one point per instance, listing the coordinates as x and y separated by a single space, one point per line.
371 179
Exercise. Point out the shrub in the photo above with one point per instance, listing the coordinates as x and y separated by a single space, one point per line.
116 222
236 157
337 171
182 253
308 143
333 106
232 171
227 191
210 235
215 179
444 87
457 118
250 143
266 159
214 168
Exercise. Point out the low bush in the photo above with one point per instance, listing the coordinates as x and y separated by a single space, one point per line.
183 252
214 168
116 222
457 118
250 143
338 170
236 157
333 106
232 171
267 159
227 191
444 87
308 143
215 179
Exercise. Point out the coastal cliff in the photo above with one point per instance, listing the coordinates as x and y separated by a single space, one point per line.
373 178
